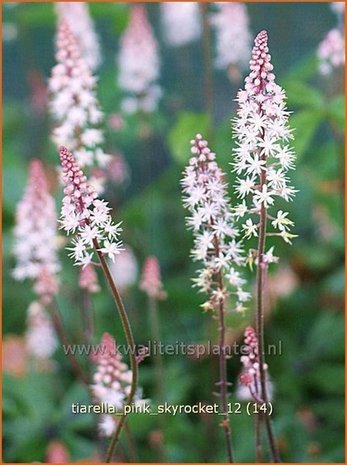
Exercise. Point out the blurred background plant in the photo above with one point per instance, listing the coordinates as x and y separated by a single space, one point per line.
190 89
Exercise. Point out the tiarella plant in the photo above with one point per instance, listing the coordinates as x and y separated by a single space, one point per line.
231 23
249 386
35 246
74 106
211 220
76 14
88 218
151 282
181 22
331 51
262 158
217 247
35 250
249 381
139 64
76 112
40 337
226 235
88 279
112 382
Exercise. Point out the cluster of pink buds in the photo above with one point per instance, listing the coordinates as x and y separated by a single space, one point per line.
88 279
181 22
76 14
35 234
138 63
151 279
73 102
41 340
112 381
211 220
331 52
249 387
118 170
231 23
86 216
263 155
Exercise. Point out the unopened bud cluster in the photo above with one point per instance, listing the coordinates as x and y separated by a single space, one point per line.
151 279
112 381
249 381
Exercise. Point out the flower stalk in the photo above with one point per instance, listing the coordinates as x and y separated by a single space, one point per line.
223 384
152 285
208 65
130 342
216 246
88 217
260 283
263 158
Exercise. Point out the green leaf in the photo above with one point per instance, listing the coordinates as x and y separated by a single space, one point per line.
36 15
187 125
79 447
328 378
318 258
337 111
304 70
330 410
75 421
26 440
319 340
301 95
305 124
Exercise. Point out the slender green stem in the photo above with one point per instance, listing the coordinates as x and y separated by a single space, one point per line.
58 324
261 279
258 448
208 67
159 368
223 384
60 330
131 344
87 316
223 379
257 424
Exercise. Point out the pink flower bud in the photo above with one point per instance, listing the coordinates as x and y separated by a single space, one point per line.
151 279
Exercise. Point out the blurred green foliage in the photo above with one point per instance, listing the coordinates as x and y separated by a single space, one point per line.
308 319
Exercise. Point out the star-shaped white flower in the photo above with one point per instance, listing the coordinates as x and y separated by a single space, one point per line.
263 197
111 249
250 228
282 222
